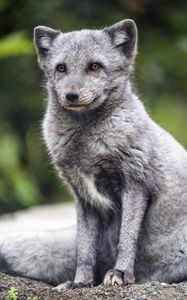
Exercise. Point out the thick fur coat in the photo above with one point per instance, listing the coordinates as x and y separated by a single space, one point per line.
128 175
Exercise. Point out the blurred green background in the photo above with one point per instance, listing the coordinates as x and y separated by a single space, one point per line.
26 176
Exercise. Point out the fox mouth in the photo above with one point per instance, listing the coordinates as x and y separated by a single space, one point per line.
78 106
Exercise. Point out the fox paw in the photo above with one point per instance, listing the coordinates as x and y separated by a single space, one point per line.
70 285
117 277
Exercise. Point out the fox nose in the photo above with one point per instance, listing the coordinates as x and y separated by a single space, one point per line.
72 96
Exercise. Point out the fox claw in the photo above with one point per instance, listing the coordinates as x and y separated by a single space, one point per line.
70 285
117 277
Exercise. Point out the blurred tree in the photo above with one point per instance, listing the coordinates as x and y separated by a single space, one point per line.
26 178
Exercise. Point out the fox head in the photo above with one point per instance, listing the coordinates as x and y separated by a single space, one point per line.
87 68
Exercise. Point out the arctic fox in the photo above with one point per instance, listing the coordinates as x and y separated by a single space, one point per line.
128 175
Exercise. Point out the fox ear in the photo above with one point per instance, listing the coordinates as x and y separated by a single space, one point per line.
124 36
43 39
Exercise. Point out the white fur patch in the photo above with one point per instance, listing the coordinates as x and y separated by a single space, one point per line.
45 42
97 199
120 38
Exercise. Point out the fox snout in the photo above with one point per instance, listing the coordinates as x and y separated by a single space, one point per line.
78 95
74 100
72 97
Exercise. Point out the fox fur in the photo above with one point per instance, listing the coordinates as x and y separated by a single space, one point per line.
128 175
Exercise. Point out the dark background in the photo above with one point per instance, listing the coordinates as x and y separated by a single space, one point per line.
26 176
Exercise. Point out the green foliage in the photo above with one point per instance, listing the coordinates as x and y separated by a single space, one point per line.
26 177
12 294
15 44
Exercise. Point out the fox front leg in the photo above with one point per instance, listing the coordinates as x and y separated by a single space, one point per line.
134 202
87 241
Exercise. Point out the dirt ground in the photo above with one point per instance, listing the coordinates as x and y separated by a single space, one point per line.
30 288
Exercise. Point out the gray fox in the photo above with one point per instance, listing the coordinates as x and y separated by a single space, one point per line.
128 175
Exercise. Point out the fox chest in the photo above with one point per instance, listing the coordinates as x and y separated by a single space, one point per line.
97 178
98 171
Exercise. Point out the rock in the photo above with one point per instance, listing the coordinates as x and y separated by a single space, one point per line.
164 284
45 217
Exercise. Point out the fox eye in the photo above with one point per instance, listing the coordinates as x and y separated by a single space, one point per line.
61 68
95 66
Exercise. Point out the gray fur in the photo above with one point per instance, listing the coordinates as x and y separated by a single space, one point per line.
128 175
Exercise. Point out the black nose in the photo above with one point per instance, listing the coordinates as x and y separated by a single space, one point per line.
71 96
